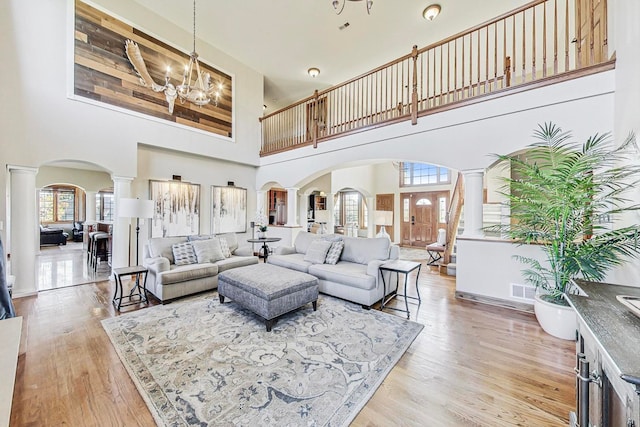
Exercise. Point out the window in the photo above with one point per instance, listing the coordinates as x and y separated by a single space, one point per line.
350 208
57 204
422 174
104 206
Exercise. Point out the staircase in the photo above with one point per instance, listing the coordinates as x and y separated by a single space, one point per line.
492 214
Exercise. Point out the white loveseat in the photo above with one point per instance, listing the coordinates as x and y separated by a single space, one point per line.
355 277
168 281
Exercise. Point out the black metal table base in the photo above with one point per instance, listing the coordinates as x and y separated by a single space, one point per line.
406 270
137 294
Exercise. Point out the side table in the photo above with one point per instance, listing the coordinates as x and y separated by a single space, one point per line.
139 292
404 267
264 242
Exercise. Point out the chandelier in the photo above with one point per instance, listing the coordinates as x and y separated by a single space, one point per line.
196 86
339 5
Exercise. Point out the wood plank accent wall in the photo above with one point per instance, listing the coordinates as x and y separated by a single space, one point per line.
102 72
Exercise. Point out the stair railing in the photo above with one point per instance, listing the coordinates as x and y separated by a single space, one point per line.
453 217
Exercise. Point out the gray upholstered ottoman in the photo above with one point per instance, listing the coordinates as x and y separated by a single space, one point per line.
268 290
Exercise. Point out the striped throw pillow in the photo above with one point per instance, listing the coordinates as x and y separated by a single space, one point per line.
183 253
333 256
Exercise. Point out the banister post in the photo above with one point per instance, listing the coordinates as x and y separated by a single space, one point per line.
414 91
507 70
315 119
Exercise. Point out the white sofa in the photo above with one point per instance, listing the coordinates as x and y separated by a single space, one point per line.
355 277
168 281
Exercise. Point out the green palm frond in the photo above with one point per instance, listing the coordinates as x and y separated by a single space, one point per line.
565 195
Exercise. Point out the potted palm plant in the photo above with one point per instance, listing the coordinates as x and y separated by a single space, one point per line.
567 197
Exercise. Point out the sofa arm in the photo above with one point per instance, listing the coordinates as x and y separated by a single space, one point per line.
394 252
156 264
244 251
284 250
373 267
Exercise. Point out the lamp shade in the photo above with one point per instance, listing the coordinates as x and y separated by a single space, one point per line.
383 217
135 208
322 216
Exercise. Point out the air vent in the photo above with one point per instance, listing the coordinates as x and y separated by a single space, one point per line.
525 292
343 26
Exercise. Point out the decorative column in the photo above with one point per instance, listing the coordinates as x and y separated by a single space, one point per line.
292 207
120 238
261 203
23 233
90 208
330 205
473 197
371 214
304 210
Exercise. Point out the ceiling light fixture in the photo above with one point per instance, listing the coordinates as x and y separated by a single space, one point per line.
201 92
339 5
431 12
313 72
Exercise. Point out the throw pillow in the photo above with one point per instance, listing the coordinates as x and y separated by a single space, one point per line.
225 247
333 256
317 251
208 250
183 253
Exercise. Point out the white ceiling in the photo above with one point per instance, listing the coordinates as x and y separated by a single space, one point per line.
281 39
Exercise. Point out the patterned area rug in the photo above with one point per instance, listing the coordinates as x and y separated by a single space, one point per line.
197 362
413 254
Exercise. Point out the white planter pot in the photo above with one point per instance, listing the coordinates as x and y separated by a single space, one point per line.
557 320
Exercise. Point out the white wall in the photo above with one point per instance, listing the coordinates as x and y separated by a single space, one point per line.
88 180
159 164
487 267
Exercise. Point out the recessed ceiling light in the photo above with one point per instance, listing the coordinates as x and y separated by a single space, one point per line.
431 12
313 71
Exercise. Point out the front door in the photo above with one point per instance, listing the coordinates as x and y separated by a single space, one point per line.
422 216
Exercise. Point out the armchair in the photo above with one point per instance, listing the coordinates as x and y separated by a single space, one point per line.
78 231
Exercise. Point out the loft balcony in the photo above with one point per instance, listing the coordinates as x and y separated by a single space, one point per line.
541 43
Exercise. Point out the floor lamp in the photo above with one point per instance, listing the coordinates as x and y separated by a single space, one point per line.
138 209
383 218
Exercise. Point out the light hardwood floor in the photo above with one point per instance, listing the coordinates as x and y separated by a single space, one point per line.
472 365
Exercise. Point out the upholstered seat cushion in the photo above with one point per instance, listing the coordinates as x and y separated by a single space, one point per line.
184 273
235 261
293 261
346 273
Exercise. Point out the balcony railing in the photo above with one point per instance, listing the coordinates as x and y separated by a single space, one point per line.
539 43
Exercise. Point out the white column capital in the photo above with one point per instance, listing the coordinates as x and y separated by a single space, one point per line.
121 179
471 172
292 189
22 169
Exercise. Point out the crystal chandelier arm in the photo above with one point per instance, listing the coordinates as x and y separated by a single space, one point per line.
135 57
335 6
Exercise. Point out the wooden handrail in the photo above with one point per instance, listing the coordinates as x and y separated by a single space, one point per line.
453 217
514 49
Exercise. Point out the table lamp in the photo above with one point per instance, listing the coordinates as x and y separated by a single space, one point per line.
383 218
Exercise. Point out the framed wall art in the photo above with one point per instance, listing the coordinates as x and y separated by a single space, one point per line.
176 208
228 210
